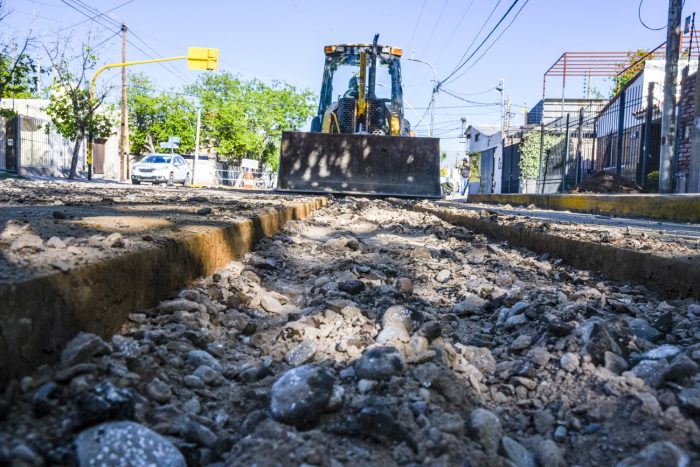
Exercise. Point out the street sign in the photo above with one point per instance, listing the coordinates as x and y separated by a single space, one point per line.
249 164
174 139
202 58
169 145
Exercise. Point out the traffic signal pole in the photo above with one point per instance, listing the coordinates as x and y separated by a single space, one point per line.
197 59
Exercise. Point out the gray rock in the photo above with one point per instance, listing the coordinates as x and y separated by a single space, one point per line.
693 310
689 399
207 374
115 240
614 363
192 381
301 353
104 402
485 427
569 362
27 241
658 454
560 434
379 363
521 342
549 455
404 285
682 367
516 321
391 333
518 308
517 453
443 276
662 351
270 304
159 391
197 433
651 371
192 406
300 395
55 242
642 329
480 357
469 305
540 356
397 316
198 357
83 347
352 287
125 443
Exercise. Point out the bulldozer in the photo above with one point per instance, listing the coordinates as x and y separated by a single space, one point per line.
360 143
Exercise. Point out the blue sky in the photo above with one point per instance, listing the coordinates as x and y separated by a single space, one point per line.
283 40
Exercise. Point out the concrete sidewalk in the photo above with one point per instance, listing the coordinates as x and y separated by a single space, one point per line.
675 208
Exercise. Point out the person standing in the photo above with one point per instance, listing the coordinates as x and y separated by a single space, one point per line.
465 172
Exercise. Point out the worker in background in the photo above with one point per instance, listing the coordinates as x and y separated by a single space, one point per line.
465 172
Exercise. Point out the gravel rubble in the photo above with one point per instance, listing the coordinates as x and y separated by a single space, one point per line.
372 335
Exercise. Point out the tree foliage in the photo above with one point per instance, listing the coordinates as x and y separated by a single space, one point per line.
73 113
630 68
247 118
155 116
530 153
18 70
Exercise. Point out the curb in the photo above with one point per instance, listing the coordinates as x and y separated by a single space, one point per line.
677 277
677 208
40 315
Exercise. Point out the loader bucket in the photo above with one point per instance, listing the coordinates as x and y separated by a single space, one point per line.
360 164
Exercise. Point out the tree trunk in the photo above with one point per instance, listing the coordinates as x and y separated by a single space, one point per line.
74 161
149 142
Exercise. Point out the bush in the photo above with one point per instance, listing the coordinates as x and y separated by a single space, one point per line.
653 182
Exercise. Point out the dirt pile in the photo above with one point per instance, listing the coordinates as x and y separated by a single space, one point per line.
371 335
605 182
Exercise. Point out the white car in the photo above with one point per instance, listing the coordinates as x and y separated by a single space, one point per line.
161 168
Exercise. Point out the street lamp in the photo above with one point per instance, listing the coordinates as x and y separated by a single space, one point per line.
432 98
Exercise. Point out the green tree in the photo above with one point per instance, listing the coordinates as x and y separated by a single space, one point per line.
629 69
18 70
155 116
247 118
73 113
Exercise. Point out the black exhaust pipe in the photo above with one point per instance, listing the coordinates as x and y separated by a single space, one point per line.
371 84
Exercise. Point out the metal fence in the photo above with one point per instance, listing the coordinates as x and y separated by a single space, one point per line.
623 144
568 150
41 150
235 177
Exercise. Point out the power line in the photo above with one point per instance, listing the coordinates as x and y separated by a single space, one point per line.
482 42
415 28
639 15
476 36
454 31
492 43
437 22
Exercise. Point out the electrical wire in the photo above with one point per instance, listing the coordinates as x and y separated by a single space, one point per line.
454 31
472 93
437 22
492 43
476 36
639 15
415 28
481 44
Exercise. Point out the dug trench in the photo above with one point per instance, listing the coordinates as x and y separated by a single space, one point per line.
368 334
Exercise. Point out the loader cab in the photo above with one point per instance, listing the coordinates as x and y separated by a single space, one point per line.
375 106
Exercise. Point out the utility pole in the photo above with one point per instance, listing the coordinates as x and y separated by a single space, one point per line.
500 89
432 97
668 118
196 142
508 114
123 150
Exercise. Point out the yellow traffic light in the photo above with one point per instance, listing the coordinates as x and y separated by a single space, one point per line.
202 58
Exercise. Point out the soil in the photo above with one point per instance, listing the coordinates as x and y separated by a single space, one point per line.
78 223
605 182
428 345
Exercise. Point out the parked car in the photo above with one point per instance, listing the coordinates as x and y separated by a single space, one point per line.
161 168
